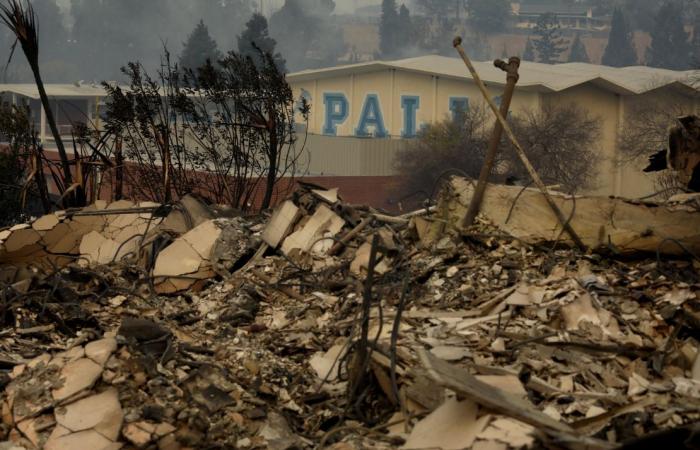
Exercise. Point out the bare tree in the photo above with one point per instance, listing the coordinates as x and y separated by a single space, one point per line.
560 142
21 21
147 125
267 104
645 133
453 146
647 125
221 131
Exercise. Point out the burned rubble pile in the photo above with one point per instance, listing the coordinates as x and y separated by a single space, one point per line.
329 325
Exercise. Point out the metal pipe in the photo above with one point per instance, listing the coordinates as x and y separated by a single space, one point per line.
518 149
511 68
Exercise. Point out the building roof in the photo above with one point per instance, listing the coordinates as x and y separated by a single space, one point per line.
533 76
55 90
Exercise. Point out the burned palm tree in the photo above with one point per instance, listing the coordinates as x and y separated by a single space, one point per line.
21 20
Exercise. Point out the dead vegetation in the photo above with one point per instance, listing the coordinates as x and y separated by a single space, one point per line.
559 140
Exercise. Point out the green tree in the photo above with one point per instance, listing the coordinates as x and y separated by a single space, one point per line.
529 53
620 51
549 44
578 51
669 47
488 16
440 8
306 34
52 44
199 48
406 29
695 45
256 34
640 13
389 29
108 33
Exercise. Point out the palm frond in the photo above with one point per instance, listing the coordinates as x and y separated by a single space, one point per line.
20 19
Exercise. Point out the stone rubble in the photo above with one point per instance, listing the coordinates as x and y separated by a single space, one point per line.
247 333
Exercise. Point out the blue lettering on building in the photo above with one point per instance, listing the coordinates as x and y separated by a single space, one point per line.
459 107
336 112
410 105
371 117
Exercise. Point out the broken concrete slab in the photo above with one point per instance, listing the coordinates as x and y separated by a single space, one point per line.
46 223
619 225
280 225
83 440
203 237
452 426
179 258
101 412
323 225
100 351
76 376
21 238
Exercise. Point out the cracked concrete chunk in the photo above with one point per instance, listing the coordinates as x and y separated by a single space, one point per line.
62 239
84 440
277 434
179 258
100 351
90 245
202 238
21 238
329 195
45 223
137 435
101 412
323 223
107 251
76 376
281 223
454 425
32 427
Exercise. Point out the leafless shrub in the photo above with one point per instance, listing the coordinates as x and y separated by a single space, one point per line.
17 157
443 148
646 131
560 142
646 128
244 120
222 131
144 118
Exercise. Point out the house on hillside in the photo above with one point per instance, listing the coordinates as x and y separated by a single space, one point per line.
573 16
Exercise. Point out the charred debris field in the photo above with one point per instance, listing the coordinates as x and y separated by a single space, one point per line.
330 325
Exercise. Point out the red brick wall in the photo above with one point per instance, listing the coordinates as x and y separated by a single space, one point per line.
374 191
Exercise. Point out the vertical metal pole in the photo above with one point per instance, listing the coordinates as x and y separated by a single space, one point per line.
511 67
